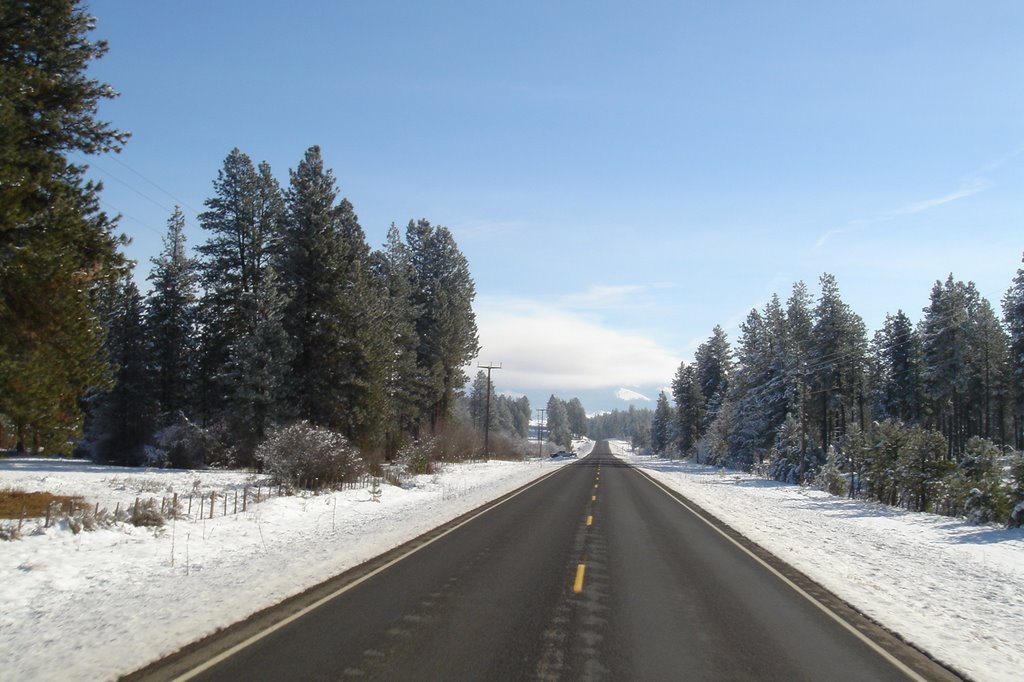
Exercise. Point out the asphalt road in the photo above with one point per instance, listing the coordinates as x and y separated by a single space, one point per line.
593 573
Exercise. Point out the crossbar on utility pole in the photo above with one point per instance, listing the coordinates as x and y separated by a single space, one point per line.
487 417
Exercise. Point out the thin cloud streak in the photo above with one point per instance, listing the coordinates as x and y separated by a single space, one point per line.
975 186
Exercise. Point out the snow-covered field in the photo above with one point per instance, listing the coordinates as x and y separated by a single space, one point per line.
953 589
101 604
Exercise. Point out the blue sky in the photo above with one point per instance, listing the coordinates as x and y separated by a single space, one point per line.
621 176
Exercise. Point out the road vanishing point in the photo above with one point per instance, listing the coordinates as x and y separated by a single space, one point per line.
593 572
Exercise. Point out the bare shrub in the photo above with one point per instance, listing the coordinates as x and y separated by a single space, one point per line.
306 455
185 445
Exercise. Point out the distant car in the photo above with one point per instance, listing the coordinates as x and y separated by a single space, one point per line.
563 453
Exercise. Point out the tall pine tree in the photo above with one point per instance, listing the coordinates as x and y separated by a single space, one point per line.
171 321
57 249
1013 316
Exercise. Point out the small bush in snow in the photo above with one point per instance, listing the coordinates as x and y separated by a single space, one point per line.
830 479
304 454
416 457
185 445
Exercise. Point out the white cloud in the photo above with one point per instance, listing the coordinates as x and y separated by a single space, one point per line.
627 395
545 347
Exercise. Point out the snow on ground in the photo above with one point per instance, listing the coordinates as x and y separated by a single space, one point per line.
107 602
100 604
953 589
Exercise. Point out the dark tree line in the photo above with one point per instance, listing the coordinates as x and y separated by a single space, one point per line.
921 415
634 425
285 315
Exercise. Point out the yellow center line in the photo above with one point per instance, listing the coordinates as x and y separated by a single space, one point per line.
593 498
577 586
590 520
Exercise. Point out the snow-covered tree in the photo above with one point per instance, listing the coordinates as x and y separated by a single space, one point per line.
558 423
577 416
123 418
897 369
662 426
1013 316
171 321
690 408
243 356
445 324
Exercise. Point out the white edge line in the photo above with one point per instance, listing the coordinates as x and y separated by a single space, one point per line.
898 664
228 653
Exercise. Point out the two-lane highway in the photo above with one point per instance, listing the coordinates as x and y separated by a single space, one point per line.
594 572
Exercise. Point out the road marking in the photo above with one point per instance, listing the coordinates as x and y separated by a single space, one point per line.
898 664
577 586
593 498
228 653
590 520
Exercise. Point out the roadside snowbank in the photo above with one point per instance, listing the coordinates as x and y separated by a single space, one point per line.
953 589
101 604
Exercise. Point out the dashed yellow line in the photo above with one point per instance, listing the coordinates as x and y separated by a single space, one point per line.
590 520
593 498
577 586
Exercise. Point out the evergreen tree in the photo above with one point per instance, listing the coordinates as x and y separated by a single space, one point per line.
577 417
1013 316
171 321
558 423
244 355
661 426
335 315
838 364
124 417
690 407
946 374
57 249
990 387
521 415
445 324
394 269
714 367
897 363
482 399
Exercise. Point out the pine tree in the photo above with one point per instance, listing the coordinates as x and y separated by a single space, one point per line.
661 426
1013 316
690 408
714 366
897 362
171 321
558 423
521 415
481 399
394 268
442 301
124 417
945 330
336 313
57 249
577 417
838 364
243 355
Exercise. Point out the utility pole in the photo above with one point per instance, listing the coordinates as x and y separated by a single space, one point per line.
540 431
487 417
